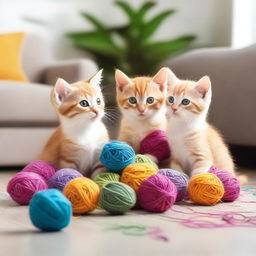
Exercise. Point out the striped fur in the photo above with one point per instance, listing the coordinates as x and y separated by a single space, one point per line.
195 144
78 141
141 118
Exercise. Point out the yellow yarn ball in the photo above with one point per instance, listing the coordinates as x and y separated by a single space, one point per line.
134 174
205 189
83 193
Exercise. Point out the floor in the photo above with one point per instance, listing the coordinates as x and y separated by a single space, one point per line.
223 229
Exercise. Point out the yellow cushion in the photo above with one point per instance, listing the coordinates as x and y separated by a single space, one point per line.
10 57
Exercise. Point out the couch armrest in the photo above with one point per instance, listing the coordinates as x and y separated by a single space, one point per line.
232 72
70 70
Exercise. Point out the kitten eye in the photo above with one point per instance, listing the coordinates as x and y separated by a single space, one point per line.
185 101
150 100
98 101
132 100
171 99
84 103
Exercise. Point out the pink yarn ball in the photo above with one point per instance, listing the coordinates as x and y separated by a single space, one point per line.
157 193
230 182
156 144
42 168
24 185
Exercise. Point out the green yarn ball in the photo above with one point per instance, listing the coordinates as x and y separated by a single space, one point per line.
104 178
117 198
145 159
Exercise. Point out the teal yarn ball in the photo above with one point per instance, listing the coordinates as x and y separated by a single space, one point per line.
104 178
117 198
146 160
116 155
50 210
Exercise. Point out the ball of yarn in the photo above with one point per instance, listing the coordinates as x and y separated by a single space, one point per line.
139 158
116 155
156 144
62 177
104 178
83 193
24 185
179 180
134 174
49 210
40 167
205 189
231 184
157 193
117 197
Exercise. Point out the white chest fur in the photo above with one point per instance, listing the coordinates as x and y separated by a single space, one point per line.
88 141
178 135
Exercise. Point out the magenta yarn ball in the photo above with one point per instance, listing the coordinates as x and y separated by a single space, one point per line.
156 144
42 168
62 177
230 182
179 180
24 185
157 193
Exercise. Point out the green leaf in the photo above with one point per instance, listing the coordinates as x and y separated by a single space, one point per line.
151 26
159 51
95 41
140 15
126 8
94 21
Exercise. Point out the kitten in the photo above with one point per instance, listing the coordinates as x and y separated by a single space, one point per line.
195 144
142 104
78 140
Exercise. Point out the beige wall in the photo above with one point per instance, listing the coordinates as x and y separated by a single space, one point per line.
210 20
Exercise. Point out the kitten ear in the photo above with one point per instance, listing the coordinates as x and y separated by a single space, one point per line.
61 90
164 78
203 85
96 79
121 79
171 78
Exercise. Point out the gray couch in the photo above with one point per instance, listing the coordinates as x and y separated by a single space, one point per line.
233 75
26 115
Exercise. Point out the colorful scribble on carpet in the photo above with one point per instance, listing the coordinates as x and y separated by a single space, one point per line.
155 233
241 213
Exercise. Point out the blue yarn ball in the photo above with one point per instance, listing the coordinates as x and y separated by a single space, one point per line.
116 155
50 210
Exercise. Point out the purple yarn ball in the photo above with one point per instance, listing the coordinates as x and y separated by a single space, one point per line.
62 177
157 193
180 181
156 144
40 167
230 182
24 185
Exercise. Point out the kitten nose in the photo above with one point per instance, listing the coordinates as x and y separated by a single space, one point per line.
141 109
174 108
95 111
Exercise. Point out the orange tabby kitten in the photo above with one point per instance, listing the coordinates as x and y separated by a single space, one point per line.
195 144
142 103
77 142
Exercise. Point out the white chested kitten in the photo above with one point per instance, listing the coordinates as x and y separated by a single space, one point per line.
141 101
195 144
78 140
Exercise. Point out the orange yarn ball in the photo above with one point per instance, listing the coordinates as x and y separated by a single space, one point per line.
134 174
205 189
83 193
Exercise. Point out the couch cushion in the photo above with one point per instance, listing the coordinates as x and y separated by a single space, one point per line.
25 104
19 146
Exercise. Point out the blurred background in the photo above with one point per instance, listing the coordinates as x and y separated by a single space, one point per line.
73 38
